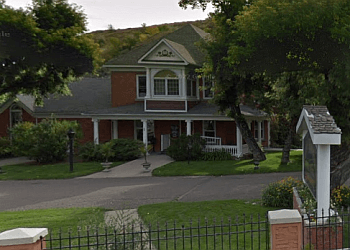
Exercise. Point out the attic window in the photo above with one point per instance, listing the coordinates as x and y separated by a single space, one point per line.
166 83
15 115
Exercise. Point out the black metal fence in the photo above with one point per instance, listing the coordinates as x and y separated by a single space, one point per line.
245 232
329 231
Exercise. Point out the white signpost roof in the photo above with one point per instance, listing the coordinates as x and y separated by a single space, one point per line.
315 122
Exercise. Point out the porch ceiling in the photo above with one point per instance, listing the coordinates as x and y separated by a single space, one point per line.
202 111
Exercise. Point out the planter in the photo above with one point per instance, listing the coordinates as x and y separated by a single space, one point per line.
146 166
106 165
321 233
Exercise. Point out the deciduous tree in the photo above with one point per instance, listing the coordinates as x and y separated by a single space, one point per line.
42 48
301 36
229 86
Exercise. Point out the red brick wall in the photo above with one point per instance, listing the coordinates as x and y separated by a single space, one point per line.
87 127
163 127
198 127
166 105
227 132
126 129
123 88
4 122
191 104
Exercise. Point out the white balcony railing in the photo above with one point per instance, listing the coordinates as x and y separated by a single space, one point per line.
211 140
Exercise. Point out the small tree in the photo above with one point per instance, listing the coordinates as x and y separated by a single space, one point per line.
178 150
45 142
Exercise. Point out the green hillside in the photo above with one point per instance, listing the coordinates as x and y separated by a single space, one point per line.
114 41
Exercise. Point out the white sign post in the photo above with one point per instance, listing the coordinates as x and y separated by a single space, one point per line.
318 128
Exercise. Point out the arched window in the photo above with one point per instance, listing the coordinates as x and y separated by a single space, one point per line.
15 115
166 82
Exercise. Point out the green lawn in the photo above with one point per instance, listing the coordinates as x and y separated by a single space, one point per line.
231 167
50 171
54 219
212 224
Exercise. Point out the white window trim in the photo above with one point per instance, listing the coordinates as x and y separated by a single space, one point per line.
17 110
166 85
209 130
196 89
204 88
135 128
137 87
262 129
178 73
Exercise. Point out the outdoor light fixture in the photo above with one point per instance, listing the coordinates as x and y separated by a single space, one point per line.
71 134
256 163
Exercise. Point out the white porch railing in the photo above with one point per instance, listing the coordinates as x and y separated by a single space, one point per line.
211 140
227 148
232 149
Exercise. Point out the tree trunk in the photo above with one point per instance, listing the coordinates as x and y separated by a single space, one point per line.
287 145
340 165
286 148
247 134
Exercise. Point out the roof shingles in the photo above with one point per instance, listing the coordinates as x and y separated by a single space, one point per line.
320 120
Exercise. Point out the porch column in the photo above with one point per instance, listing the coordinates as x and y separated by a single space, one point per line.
144 132
323 179
239 142
115 129
268 134
259 131
189 128
96 131
183 87
148 83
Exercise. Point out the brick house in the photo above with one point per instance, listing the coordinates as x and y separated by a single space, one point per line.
153 95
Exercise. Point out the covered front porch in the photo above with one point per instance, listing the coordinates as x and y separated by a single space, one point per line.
159 131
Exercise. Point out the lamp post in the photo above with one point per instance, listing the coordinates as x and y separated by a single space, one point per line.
189 149
71 134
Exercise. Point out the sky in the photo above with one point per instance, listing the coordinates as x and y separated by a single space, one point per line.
123 14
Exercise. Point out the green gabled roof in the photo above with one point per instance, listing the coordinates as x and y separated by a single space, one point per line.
187 36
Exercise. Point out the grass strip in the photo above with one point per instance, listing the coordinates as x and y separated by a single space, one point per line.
231 167
50 171
53 219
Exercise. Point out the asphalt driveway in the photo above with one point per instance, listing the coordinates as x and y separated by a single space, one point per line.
130 192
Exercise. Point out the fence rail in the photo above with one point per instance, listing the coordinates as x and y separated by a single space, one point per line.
328 231
233 150
211 140
246 232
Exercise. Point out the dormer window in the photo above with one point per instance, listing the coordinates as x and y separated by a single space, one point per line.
166 83
208 84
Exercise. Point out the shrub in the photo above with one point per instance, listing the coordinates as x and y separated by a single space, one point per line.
125 149
90 152
280 193
5 147
340 197
45 142
179 150
220 155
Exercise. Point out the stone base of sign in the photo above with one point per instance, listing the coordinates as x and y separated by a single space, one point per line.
322 234
285 228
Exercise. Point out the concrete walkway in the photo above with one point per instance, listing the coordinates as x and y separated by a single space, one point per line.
133 168
14 161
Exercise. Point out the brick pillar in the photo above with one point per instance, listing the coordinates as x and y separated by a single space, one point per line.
23 239
285 229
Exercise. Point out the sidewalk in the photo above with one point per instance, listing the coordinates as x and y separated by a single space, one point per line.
14 161
133 168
